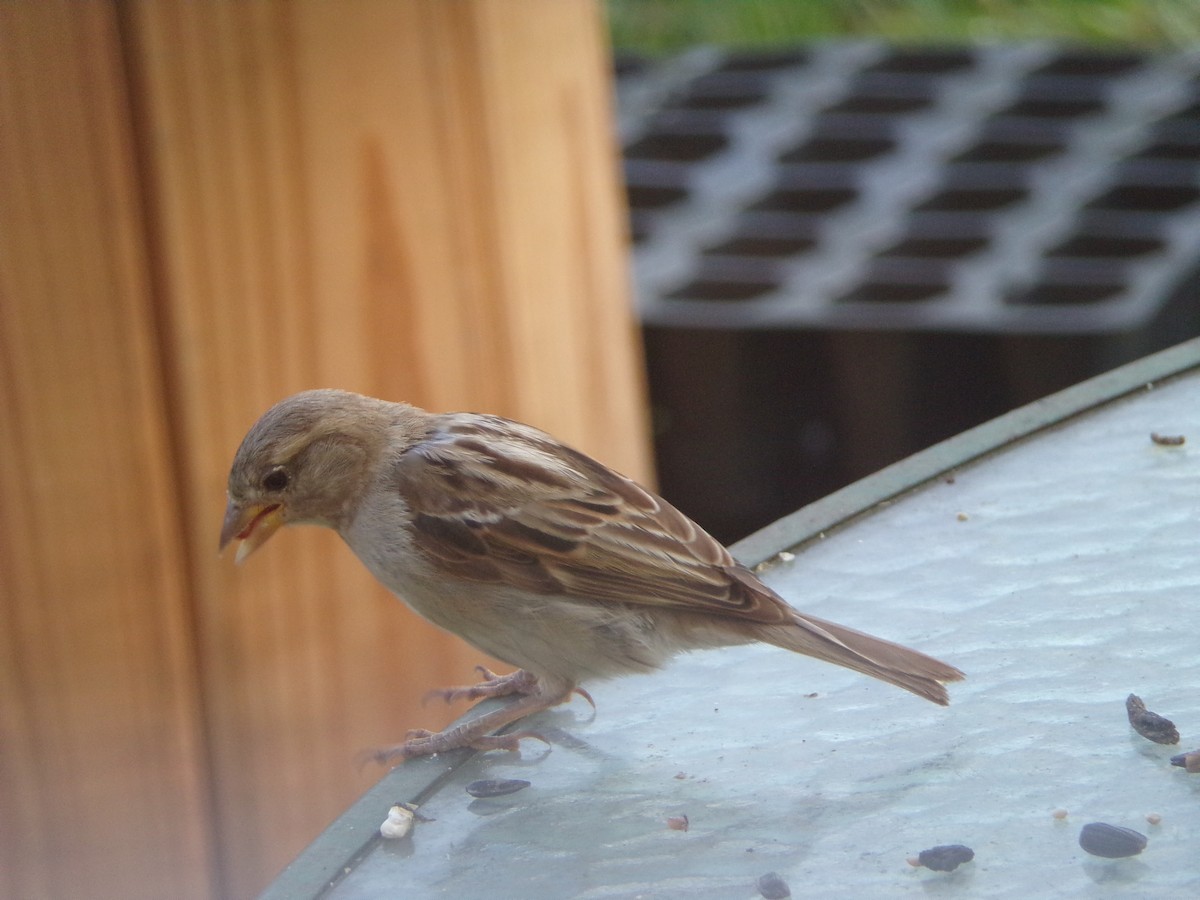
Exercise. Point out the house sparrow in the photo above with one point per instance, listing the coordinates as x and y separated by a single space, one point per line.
532 552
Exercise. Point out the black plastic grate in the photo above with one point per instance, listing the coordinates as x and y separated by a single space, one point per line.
1026 189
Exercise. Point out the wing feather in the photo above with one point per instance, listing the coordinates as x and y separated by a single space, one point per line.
499 502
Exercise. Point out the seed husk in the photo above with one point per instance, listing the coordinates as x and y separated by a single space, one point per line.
945 857
1111 841
1189 761
496 787
1150 725
773 887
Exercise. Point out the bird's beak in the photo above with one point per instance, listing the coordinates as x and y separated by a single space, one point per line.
252 524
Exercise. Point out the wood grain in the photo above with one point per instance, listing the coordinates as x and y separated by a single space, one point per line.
417 200
102 756
204 208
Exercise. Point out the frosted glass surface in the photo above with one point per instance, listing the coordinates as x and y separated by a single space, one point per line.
1061 574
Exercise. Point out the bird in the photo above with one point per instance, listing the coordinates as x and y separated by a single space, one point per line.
529 550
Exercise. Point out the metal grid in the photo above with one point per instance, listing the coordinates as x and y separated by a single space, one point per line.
1025 189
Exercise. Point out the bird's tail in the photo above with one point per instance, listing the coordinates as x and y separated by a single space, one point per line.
913 671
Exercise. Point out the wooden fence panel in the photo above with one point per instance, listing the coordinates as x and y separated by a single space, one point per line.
102 765
417 200
205 207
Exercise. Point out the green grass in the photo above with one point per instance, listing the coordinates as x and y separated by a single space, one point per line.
666 26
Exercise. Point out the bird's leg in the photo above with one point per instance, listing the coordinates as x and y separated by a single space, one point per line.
477 733
493 685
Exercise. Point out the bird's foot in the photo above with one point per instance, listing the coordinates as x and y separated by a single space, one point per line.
493 685
479 733
428 743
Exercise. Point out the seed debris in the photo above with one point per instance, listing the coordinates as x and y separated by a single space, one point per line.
1168 440
1111 841
1150 725
945 857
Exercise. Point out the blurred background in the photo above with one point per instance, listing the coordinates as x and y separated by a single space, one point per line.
751 251
860 228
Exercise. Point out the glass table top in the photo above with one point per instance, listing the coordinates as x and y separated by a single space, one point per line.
1061 572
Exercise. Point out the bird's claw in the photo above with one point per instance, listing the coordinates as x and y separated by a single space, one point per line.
492 685
421 742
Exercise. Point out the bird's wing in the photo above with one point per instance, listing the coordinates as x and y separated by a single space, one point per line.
499 502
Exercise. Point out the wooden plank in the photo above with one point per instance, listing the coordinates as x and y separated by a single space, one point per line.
417 200
103 765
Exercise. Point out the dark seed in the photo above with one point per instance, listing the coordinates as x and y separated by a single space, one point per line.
1150 725
946 857
496 787
1111 841
1168 440
773 887
1189 761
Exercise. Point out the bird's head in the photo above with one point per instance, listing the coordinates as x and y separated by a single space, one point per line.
306 461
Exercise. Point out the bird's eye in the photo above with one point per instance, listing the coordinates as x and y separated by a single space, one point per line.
275 480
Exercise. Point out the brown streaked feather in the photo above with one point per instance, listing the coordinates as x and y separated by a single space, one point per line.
528 549
882 659
577 528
